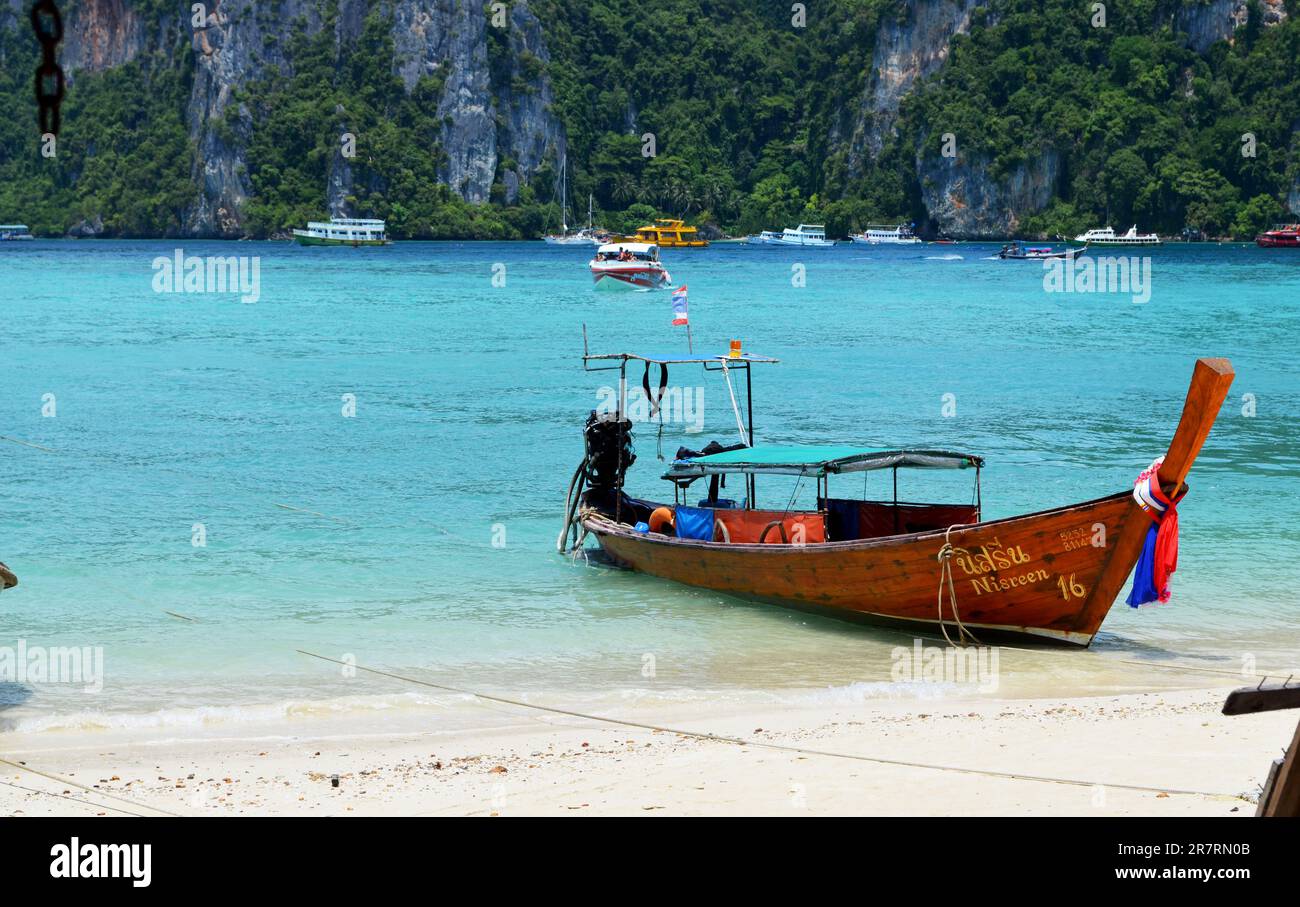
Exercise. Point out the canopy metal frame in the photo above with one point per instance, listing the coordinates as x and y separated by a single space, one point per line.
716 363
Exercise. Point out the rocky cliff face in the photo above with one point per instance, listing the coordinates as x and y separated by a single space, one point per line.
449 38
100 34
908 48
240 39
1218 20
529 131
965 201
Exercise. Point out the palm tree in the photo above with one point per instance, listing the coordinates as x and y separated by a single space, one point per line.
625 188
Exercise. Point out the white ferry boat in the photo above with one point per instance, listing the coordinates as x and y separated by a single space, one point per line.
12 232
885 235
1107 237
811 235
343 231
628 265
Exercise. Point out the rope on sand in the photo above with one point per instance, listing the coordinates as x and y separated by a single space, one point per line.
94 793
50 793
779 747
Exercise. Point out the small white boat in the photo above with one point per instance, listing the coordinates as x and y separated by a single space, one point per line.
805 235
14 232
885 235
629 265
343 231
1107 237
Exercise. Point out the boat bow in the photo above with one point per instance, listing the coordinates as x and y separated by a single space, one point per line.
1211 379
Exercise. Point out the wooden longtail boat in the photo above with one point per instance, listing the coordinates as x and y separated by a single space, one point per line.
1053 574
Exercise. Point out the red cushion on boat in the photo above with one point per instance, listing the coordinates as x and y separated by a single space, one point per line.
747 525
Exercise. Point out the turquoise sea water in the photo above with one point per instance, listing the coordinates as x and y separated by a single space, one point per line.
371 537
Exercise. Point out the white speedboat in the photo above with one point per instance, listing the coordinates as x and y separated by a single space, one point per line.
884 235
804 235
1108 237
628 265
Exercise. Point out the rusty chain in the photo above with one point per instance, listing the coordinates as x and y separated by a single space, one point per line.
48 26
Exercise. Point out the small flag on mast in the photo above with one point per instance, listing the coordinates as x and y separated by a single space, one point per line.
679 306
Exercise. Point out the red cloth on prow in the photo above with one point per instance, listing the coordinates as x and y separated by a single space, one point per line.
1166 559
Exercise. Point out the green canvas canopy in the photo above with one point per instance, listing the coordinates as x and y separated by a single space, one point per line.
815 460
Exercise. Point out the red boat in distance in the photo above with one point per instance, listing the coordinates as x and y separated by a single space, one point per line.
1281 236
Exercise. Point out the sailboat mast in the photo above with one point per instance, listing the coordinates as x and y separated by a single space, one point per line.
564 219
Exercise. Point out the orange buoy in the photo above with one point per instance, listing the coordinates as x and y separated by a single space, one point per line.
662 516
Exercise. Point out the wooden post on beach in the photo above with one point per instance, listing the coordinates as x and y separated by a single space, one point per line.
1281 794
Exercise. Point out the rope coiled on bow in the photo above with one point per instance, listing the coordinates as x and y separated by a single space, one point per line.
945 578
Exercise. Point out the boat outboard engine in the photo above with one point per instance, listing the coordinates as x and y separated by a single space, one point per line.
598 480
609 452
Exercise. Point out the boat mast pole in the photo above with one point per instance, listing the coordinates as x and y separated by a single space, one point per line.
564 201
749 406
622 408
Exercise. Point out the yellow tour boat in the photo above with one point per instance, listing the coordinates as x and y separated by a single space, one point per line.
670 234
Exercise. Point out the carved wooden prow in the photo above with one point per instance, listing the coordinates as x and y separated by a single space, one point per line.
1211 379
1210 382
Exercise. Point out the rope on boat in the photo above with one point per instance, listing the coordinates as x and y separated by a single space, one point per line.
945 577
778 747
735 407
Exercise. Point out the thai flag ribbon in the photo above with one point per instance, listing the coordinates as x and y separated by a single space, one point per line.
679 306
1159 558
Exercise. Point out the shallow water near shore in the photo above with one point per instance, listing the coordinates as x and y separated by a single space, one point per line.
417 537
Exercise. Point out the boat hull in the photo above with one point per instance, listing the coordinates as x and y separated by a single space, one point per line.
1278 241
1043 256
321 241
1035 575
1113 244
629 277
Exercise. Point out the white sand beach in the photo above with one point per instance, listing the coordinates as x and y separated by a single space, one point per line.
1139 754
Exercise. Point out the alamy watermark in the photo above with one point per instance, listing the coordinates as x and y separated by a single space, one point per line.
676 405
1099 274
976 665
53 664
183 273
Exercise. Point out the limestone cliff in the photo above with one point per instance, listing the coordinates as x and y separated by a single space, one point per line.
908 48
1218 20
483 125
967 202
